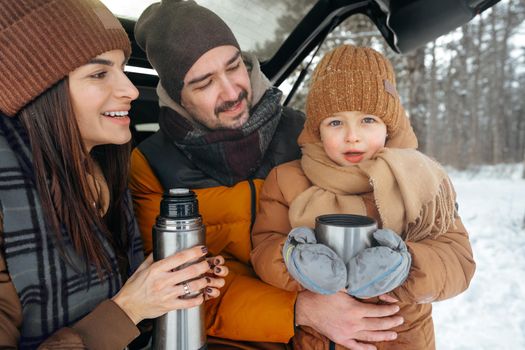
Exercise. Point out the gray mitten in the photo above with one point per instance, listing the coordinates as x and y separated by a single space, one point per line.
315 266
380 269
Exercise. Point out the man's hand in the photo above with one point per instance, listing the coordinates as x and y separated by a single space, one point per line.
346 321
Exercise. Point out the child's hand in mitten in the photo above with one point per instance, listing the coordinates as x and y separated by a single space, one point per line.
379 269
315 266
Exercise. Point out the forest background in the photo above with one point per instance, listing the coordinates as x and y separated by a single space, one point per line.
464 92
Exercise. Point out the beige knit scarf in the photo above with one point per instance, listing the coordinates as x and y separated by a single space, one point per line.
412 192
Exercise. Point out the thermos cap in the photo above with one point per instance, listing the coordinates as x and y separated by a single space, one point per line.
178 191
179 203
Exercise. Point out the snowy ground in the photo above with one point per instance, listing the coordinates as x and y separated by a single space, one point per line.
491 313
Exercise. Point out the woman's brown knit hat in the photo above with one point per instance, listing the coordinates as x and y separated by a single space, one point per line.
351 78
42 41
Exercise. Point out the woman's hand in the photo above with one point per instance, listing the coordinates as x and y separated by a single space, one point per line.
217 268
156 287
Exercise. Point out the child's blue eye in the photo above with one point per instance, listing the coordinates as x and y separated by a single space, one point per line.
368 120
335 123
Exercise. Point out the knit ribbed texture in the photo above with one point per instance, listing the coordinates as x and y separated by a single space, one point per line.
351 78
175 34
42 41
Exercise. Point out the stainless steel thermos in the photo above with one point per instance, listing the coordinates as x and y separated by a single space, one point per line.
179 226
346 234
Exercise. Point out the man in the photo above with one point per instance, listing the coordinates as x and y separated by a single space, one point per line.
222 128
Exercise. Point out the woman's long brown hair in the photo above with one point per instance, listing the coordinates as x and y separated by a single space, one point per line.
61 168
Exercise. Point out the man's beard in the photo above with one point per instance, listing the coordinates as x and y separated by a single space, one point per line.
229 104
237 120
213 121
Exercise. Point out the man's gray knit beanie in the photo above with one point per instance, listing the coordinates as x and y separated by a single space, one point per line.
175 34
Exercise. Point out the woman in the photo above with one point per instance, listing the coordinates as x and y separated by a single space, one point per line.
68 239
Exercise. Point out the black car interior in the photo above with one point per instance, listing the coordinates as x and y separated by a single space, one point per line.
405 25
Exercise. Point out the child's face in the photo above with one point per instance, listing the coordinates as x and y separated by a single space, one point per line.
351 137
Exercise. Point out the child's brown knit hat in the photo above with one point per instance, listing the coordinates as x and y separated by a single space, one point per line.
42 41
351 78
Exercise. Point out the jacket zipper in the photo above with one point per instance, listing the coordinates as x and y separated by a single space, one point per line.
253 206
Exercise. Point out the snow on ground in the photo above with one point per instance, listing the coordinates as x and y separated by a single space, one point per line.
491 313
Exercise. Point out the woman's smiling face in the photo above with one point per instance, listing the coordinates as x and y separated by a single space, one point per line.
101 96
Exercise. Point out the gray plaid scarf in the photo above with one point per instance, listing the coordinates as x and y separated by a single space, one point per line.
228 156
51 292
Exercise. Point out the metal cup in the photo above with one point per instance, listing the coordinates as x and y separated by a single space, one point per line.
346 234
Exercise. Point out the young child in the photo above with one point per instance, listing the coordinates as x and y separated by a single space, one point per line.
359 157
